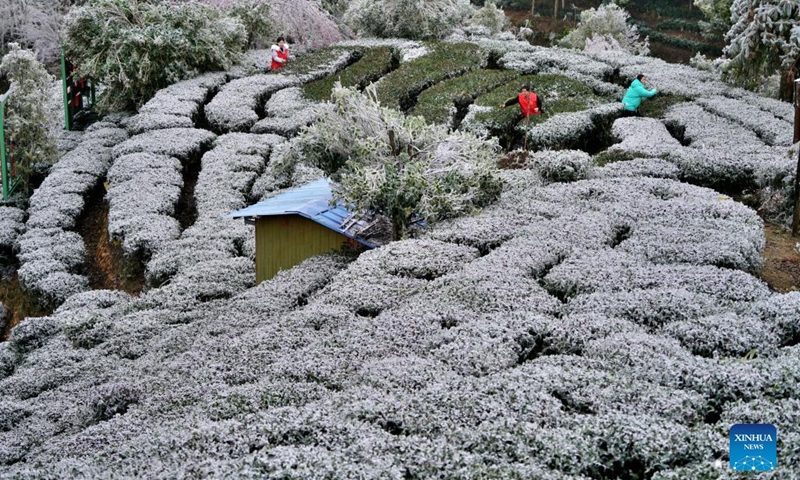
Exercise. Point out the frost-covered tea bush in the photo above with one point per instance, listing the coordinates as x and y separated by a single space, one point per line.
601 328
12 224
181 143
287 113
646 137
559 166
143 191
640 167
227 173
771 130
430 20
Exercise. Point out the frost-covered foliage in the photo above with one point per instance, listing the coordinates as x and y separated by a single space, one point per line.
771 130
12 224
143 191
603 328
181 143
176 106
490 17
287 113
711 159
227 173
26 121
407 49
647 137
34 24
413 19
567 129
607 23
640 167
387 164
235 107
540 59
764 38
51 255
559 166
136 47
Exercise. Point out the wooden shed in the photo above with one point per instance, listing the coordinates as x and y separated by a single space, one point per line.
298 224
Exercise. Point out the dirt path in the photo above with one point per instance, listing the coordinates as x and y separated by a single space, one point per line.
781 260
107 267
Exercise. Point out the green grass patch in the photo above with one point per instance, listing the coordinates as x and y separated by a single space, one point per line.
373 64
435 103
559 94
400 88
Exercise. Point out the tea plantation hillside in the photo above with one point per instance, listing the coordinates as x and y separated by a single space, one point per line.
602 320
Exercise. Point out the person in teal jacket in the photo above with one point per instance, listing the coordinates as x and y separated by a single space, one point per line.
633 97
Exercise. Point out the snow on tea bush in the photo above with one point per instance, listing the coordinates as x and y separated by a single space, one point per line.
181 143
640 167
781 313
540 58
143 191
226 176
525 330
287 113
728 334
729 244
145 122
646 136
235 107
566 129
559 166
675 79
12 224
771 130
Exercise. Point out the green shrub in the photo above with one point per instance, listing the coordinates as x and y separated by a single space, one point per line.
435 104
680 24
400 88
136 47
679 42
27 121
374 63
559 94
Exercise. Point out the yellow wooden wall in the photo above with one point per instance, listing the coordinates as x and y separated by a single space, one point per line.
286 240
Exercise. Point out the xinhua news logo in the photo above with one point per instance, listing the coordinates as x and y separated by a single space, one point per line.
754 447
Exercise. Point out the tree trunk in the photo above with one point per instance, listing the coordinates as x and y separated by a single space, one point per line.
555 9
787 85
398 224
796 212
533 7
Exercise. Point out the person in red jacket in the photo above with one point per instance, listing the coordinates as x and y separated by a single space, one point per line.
529 102
280 54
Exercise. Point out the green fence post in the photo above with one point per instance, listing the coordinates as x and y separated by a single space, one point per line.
3 158
67 119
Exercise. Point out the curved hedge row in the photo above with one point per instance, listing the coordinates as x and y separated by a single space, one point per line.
400 88
438 104
372 65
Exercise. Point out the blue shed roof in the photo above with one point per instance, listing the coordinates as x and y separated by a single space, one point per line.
311 201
